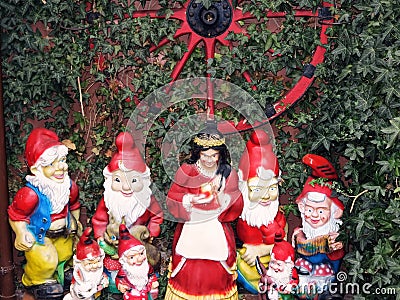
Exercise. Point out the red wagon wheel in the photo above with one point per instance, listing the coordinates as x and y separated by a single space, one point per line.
210 26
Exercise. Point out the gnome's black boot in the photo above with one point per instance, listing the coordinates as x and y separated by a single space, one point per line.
67 280
49 290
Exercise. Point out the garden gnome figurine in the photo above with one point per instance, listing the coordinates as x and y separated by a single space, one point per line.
127 199
136 279
315 242
44 215
88 277
204 197
279 282
261 219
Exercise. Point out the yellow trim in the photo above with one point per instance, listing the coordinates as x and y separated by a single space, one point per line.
208 143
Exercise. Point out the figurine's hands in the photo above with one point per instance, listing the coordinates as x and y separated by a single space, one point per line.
296 232
24 242
105 282
333 245
155 285
24 239
202 199
252 251
123 288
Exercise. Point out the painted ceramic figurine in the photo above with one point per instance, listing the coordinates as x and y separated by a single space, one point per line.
261 219
315 242
127 199
279 282
44 215
88 277
136 279
204 197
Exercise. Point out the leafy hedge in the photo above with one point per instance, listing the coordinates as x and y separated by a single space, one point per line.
80 68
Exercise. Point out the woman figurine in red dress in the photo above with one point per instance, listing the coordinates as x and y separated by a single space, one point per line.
204 198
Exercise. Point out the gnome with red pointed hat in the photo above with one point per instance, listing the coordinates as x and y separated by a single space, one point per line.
319 252
127 199
45 214
88 277
281 276
261 218
136 279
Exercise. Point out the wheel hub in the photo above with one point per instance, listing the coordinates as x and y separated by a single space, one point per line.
209 22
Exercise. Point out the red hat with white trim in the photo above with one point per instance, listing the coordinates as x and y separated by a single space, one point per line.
313 191
127 241
282 250
259 159
127 156
39 140
87 248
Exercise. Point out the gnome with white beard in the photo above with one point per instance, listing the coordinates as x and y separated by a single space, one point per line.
280 280
136 278
127 200
319 252
88 276
261 218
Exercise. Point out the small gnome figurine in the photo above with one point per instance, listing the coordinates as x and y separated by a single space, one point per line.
136 279
319 253
281 279
88 277
261 218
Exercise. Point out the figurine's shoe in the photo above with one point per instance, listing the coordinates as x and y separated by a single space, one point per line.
48 290
303 266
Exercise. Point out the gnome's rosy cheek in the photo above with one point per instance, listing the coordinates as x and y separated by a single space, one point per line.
136 184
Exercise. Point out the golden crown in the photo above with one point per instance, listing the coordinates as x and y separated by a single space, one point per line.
209 142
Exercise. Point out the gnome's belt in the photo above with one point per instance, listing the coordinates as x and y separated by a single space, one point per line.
52 234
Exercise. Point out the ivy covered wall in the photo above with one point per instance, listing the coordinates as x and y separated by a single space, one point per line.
81 68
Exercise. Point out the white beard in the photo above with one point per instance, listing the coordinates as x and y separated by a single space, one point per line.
94 277
257 215
129 208
57 193
281 278
138 276
86 282
331 226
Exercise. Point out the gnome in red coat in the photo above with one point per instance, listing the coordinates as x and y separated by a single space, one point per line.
88 278
136 279
319 252
261 218
281 277
127 199
45 215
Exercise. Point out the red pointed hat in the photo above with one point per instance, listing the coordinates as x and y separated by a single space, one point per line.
39 140
127 241
282 249
258 153
87 247
127 154
321 168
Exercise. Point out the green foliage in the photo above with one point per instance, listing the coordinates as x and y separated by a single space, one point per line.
80 73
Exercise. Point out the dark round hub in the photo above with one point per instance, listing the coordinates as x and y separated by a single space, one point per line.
209 22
